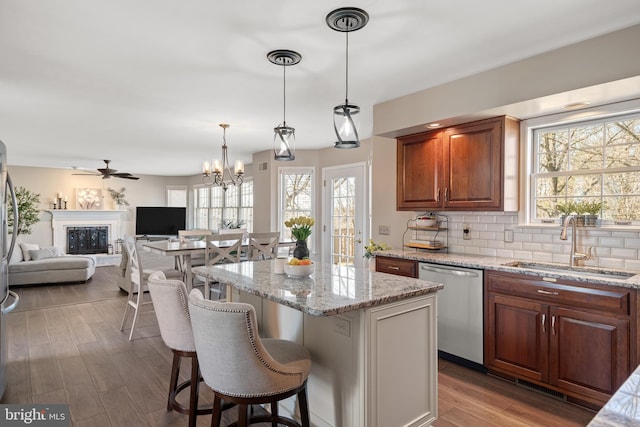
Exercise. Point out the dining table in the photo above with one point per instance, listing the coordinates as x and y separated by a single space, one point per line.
187 249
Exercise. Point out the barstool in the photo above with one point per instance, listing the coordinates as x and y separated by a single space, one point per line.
170 302
242 368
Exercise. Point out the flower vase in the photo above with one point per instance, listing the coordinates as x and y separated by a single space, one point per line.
301 250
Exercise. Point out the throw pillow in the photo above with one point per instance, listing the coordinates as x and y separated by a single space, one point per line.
26 247
43 253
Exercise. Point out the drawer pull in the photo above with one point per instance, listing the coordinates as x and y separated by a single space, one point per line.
542 291
391 267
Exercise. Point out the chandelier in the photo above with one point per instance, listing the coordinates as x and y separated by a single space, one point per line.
345 116
219 173
284 136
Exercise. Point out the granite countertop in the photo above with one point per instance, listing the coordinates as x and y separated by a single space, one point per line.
623 409
328 291
495 263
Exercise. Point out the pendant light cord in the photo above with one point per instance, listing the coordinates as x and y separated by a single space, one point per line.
346 77
284 95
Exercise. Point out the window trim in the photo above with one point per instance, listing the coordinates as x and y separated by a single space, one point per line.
527 128
209 188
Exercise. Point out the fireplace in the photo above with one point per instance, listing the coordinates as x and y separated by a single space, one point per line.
87 240
86 231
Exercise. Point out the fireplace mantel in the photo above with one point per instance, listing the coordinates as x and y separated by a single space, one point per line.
63 218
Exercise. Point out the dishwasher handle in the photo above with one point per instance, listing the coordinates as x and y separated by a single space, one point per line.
464 273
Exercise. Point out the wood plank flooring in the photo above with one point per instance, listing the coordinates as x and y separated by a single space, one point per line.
65 346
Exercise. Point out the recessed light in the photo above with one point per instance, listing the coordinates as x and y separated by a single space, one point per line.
433 125
576 105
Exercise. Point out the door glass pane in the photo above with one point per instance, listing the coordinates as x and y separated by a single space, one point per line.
343 219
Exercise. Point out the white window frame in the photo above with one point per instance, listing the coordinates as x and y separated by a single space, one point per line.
248 224
527 128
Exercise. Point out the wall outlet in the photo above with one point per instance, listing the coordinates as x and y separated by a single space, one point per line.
508 236
342 326
466 232
384 230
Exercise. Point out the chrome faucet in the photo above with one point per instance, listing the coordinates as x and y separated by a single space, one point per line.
573 256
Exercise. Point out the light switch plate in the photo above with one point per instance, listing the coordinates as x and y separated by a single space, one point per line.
342 326
508 236
384 230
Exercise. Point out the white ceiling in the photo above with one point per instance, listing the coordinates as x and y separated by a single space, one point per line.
145 83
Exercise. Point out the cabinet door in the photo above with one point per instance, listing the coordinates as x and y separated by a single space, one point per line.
472 166
516 340
589 353
419 172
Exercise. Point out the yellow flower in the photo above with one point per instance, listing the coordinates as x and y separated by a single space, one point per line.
300 227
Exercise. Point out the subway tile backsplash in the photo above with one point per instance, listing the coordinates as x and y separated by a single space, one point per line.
611 248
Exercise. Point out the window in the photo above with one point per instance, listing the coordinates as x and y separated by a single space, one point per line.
177 196
214 207
595 161
296 195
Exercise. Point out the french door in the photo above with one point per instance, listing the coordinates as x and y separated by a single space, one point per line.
344 204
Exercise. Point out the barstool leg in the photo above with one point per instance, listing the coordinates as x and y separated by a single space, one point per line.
173 384
304 408
242 415
217 411
195 387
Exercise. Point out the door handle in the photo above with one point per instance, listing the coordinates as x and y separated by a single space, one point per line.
544 323
359 241
553 325
446 194
438 196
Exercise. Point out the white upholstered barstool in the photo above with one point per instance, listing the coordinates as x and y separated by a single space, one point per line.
172 311
137 277
242 368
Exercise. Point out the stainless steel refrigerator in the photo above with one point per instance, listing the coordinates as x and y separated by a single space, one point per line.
8 298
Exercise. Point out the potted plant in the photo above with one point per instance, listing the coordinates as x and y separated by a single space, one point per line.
591 210
565 209
28 212
118 197
371 248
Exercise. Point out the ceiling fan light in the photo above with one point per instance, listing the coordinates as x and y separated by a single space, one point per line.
284 139
346 123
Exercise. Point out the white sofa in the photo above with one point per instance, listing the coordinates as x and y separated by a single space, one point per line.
31 265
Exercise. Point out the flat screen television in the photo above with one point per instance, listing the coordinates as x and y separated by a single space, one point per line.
160 221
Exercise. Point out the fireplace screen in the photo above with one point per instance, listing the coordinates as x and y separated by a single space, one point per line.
87 240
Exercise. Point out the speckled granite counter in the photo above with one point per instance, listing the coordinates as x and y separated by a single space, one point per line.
623 409
328 291
495 263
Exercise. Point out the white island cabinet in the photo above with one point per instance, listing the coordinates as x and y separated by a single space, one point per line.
372 338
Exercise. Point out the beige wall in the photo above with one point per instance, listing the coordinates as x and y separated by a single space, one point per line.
598 61
148 191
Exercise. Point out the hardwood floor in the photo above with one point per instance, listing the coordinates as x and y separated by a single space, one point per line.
65 346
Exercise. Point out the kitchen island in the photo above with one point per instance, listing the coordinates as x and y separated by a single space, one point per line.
372 338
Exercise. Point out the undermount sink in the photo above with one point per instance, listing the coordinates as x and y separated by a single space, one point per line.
584 271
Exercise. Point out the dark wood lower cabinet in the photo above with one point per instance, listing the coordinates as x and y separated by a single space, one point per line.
570 337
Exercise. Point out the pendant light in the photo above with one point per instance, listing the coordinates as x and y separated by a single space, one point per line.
284 136
345 116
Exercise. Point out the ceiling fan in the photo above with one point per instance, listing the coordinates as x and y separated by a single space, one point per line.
107 172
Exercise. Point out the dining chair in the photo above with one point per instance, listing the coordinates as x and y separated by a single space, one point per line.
185 235
221 248
244 369
170 302
263 245
137 278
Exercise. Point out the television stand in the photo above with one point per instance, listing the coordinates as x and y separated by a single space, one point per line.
155 237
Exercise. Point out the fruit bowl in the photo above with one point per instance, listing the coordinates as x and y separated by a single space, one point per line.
298 270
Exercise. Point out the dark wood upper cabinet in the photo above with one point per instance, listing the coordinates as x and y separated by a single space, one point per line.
473 166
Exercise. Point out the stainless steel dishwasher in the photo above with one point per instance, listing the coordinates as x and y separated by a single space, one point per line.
460 308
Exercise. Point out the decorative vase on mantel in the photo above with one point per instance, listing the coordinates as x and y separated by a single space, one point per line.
301 250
